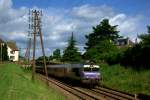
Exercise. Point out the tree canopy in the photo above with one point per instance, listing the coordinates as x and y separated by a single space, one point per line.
71 53
103 31
4 52
100 41
138 56
56 54
145 38
41 58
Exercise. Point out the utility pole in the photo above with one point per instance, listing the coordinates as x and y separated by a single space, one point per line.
36 30
27 53
28 48
1 52
2 44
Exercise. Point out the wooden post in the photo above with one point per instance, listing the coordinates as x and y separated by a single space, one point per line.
1 52
33 66
36 16
44 60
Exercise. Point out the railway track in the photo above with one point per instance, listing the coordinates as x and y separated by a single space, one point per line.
79 93
97 93
115 94
111 94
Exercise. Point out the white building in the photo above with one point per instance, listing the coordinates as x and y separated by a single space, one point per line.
13 52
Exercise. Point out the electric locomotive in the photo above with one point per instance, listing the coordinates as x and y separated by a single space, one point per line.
85 73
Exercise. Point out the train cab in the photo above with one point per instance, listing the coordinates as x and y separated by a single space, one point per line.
91 74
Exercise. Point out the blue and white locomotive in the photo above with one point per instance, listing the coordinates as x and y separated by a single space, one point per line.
91 74
85 73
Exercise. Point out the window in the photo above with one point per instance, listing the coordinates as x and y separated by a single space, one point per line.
87 69
12 52
12 57
95 69
91 69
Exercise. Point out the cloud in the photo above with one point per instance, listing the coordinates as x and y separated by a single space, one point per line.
58 24
92 12
128 25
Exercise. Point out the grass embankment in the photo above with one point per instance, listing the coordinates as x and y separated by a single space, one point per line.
16 84
126 79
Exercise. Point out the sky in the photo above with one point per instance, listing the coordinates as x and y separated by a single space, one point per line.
62 17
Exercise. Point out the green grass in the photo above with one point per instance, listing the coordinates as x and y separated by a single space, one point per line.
126 79
16 84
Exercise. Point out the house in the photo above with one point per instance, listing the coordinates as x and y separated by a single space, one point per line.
122 42
13 52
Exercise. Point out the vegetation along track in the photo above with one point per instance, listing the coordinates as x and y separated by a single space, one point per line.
97 93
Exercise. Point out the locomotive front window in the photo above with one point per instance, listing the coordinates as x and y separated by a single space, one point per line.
95 69
87 69
91 69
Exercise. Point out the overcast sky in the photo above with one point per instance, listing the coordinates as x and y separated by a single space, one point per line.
62 17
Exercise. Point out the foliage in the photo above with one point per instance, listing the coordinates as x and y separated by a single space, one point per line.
103 31
148 29
101 51
4 53
56 54
115 57
41 58
100 42
128 80
50 57
138 56
145 38
71 53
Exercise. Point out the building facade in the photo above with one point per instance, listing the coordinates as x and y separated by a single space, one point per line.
13 52
122 42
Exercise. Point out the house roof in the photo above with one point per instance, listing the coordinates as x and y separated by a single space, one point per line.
12 45
127 41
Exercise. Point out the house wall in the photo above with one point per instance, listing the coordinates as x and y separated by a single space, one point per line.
14 56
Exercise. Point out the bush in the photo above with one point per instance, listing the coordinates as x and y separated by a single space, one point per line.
137 57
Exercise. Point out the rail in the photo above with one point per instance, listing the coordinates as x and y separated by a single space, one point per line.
97 93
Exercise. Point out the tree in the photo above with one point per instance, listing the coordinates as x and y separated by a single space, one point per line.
71 53
56 54
105 51
100 41
103 31
145 38
148 27
138 56
5 53
50 57
41 58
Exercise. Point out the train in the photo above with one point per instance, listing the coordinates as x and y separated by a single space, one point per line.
85 73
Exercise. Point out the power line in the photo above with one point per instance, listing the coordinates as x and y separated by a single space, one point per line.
36 30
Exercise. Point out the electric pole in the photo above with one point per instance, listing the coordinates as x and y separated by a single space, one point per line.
36 30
